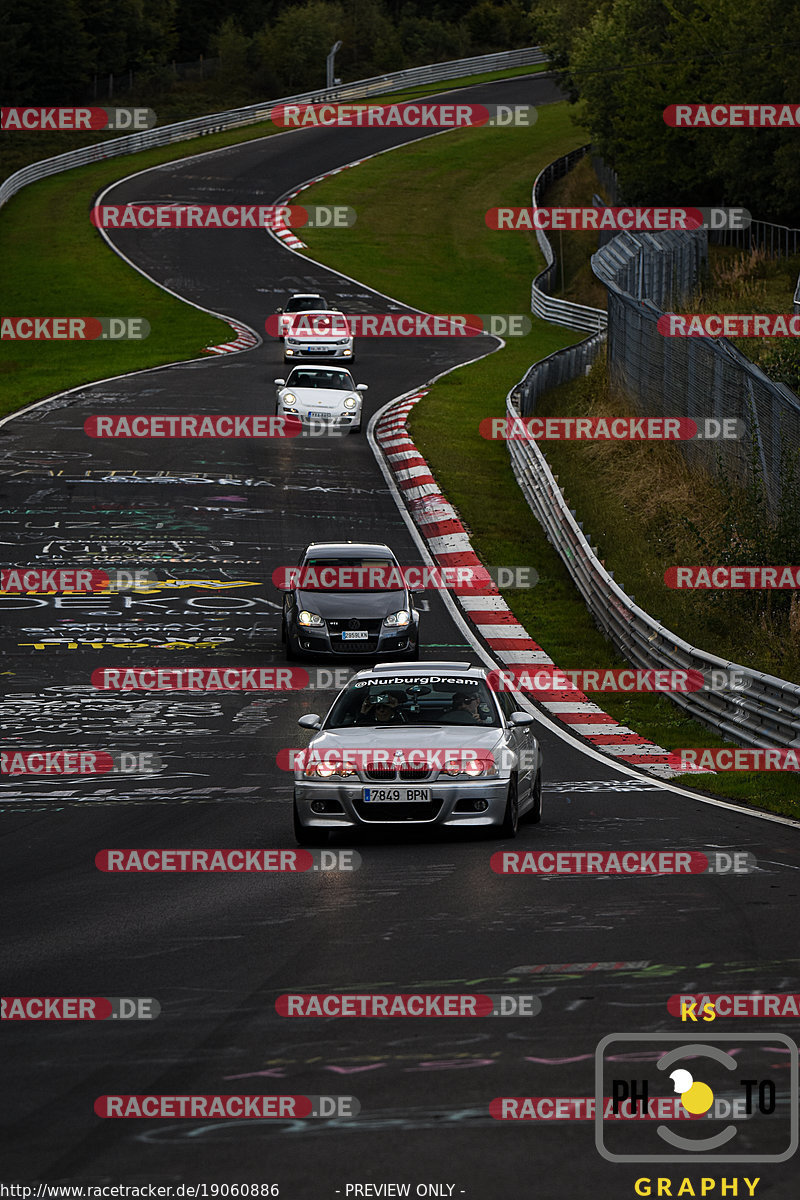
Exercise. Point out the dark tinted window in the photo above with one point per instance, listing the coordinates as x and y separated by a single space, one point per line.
414 700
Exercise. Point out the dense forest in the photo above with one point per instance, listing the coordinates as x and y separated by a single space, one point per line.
621 61
51 53
624 61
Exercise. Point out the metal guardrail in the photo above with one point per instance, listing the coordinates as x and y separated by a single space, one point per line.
550 308
250 115
765 714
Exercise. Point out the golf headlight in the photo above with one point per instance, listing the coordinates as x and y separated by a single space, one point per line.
304 617
351 402
403 617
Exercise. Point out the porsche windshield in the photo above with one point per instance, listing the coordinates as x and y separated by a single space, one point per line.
414 700
337 381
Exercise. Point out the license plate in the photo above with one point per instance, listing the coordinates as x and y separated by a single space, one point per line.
322 416
316 349
355 635
397 795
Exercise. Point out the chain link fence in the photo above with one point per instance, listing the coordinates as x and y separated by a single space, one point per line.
690 376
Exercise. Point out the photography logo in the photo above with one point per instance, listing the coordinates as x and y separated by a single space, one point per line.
738 1097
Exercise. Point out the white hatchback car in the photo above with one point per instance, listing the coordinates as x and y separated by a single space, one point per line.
321 396
318 334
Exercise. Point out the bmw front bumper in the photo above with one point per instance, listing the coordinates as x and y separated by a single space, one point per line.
338 804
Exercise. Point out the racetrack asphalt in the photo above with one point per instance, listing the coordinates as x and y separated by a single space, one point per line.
422 912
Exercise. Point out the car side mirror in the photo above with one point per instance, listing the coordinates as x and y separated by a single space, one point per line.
279 310
310 721
362 387
280 382
521 718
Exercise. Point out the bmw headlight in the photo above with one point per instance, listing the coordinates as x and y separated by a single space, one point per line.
304 617
401 618
350 402
328 771
472 770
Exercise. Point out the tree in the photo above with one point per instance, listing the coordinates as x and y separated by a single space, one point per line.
53 55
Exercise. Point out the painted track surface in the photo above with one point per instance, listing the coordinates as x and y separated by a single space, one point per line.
422 912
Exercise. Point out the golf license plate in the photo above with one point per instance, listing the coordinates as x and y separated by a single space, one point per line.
396 795
355 635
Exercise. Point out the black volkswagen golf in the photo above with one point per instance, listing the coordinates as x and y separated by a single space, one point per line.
349 599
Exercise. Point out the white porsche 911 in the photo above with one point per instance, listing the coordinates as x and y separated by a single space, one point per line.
324 397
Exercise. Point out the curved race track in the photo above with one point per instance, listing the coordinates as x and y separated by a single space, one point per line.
423 912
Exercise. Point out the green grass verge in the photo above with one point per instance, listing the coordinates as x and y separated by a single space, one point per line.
426 243
57 264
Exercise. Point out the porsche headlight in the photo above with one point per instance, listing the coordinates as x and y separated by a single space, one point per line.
289 398
401 618
304 617
350 402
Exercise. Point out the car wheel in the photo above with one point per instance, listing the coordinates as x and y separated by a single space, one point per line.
356 428
307 835
534 815
414 655
510 826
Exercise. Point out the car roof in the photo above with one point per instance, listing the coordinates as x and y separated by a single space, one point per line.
307 296
324 312
331 366
349 549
